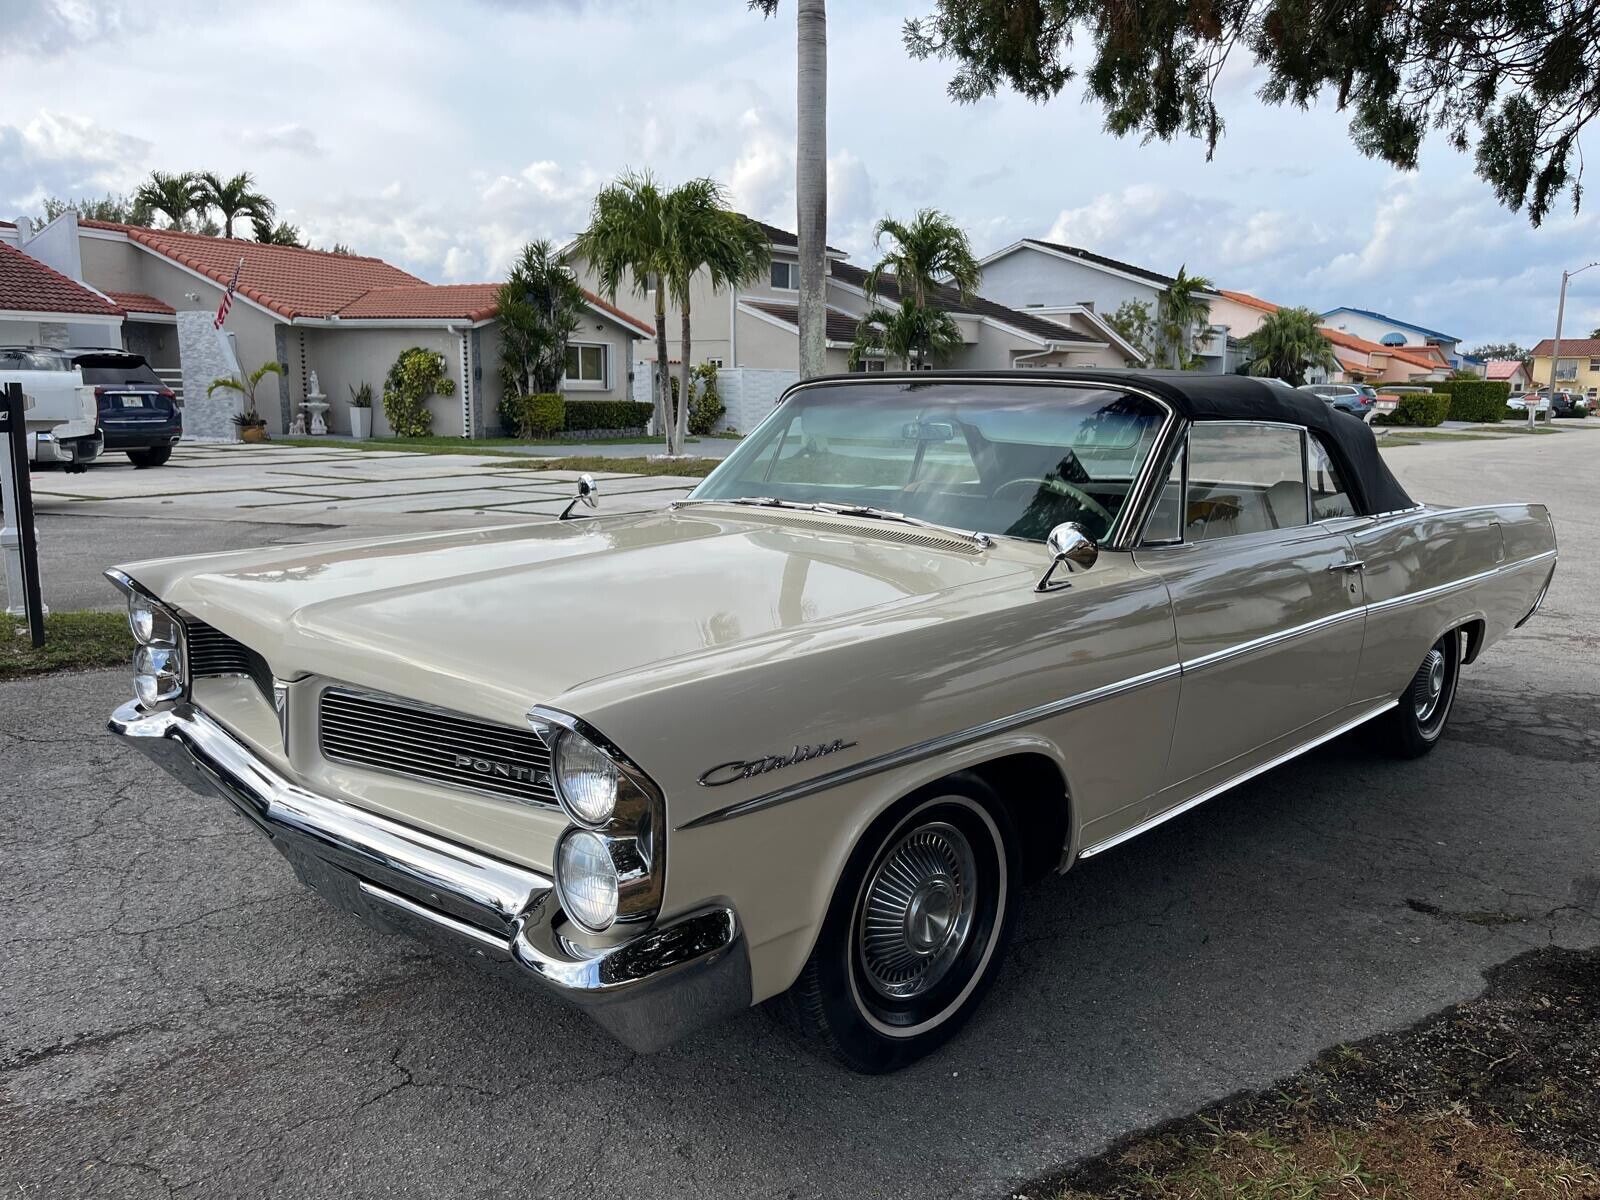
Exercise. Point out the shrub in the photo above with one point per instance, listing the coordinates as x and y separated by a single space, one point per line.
1417 409
706 409
1475 399
538 416
585 416
417 374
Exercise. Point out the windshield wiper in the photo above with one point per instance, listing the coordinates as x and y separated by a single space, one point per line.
844 510
884 514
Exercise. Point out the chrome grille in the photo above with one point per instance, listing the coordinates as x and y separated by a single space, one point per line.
212 652
389 734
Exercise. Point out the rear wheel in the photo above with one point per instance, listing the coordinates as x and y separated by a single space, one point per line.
153 457
1417 722
916 929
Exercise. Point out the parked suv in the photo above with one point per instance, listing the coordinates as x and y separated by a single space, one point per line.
1354 398
138 413
60 417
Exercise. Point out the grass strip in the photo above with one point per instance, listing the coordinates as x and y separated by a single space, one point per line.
73 641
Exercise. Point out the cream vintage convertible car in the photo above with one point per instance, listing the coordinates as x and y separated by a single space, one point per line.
919 640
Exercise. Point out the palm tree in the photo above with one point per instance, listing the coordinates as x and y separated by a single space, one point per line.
706 235
281 234
539 308
174 196
626 241
1287 343
247 387
913 334
929 250
811 176
234 198
1183 317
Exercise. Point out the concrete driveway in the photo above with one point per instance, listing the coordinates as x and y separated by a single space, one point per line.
179 1017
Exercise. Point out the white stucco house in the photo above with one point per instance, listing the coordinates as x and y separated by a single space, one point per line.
1391 331
1053 279
346 317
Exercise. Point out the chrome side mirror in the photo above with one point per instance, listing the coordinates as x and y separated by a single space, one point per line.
1069 545
588 495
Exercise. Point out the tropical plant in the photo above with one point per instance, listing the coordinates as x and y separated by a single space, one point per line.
626 242
176 197
1183 319
914 336
1136 325
1522 80
704 234
360 397
539 308
246 387
705 406
811 176
1287 344
233 198
281 234
417 374
923 253
539 416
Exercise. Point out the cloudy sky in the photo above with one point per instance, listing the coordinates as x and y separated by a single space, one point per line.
440 136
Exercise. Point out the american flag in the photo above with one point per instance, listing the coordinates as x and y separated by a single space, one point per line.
227 297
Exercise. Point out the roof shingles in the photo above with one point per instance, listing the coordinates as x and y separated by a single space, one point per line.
950 300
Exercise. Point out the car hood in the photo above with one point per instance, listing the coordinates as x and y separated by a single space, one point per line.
500 618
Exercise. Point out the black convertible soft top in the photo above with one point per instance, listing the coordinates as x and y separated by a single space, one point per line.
1199 397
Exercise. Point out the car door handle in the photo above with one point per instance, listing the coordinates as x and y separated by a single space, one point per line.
1355 564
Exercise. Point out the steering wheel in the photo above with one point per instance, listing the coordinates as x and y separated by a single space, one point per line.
1083 498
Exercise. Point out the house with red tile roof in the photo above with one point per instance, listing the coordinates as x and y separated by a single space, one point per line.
1509 370
41 306
344 317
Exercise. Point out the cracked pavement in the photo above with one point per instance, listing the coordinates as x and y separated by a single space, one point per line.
179 1017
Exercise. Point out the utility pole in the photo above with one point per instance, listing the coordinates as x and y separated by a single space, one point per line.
1555 349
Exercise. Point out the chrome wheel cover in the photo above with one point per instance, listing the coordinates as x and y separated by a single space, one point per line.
917 911
1428 688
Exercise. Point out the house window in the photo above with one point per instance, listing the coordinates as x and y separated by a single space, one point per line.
586 364
869 366
1567 368
714 362
785 275
1594 364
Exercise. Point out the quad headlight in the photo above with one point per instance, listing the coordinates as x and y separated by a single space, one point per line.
157 674
151 621
610 863
158 659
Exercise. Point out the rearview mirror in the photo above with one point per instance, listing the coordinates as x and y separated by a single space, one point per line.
928 431
1069 545
588 495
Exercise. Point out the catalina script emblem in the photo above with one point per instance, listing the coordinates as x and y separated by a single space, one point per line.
749 768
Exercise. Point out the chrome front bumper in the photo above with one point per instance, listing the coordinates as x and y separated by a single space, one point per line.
685 972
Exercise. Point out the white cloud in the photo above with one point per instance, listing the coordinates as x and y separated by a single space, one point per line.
761 180
292 138
59 154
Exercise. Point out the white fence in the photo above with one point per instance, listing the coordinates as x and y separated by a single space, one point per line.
748 393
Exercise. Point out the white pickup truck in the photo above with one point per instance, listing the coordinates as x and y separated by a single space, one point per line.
63 416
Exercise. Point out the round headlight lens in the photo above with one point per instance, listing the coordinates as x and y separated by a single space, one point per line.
152 625
586 880
157 674
587 779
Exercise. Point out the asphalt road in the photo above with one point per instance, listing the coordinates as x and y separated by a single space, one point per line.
179 1017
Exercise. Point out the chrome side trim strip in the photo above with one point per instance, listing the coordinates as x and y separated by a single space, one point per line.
950 741
1272 639
1244 777
1456 584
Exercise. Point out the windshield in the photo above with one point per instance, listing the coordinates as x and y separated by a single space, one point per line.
1013 459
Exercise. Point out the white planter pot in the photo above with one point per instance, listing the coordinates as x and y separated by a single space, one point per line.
360 423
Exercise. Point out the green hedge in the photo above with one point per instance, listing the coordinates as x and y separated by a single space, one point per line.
584 416
538 416
1475 399
1417 409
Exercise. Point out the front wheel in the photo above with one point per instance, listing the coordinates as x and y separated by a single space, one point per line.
1415 725
916 929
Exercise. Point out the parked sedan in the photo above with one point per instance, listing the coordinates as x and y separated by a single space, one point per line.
138 413
919 639
1539 400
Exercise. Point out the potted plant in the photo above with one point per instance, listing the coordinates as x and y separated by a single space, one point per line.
252 425
360 411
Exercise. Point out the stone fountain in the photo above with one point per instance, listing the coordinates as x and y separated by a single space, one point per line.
315 405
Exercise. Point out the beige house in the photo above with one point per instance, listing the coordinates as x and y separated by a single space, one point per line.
345 317
756 326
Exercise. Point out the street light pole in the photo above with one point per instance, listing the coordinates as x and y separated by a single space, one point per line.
1555 349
